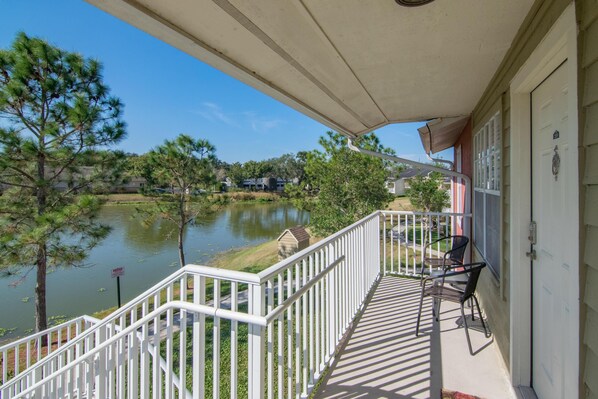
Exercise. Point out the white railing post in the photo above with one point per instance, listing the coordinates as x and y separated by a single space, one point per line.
383 239
332 301
256 343
199 338
379 231
100 369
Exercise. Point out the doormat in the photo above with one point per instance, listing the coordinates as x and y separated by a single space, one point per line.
446 394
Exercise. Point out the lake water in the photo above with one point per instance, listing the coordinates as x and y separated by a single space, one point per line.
147 254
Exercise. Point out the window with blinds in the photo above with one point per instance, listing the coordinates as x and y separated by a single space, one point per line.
486 201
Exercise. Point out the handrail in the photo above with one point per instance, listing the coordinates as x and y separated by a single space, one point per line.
221 274
174 305
275 269
189 270
26 351
417 213
25 339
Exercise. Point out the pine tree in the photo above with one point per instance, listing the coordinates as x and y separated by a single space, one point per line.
186 166
59 119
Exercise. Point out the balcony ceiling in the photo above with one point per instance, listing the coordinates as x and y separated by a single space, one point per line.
354 65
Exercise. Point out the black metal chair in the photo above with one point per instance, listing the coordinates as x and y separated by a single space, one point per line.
438 291
454 256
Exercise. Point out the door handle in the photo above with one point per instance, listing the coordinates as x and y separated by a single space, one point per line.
531 254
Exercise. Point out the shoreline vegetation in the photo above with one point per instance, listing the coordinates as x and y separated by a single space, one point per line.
234 197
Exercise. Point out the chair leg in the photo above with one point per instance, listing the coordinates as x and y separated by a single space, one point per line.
480 313
419 313
466 328
472 312
438 302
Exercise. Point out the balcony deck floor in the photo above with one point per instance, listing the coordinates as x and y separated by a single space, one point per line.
382 357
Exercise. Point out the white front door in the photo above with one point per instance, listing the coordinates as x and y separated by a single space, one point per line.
554 196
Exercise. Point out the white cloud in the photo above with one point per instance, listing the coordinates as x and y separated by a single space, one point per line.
261 124
213 112
248 119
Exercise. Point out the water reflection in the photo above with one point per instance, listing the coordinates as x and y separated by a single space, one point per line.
154 237
261 223
148 255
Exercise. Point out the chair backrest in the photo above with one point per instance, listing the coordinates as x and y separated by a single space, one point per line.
473 273
457 252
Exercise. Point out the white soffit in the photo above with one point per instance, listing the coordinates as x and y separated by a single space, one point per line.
354 65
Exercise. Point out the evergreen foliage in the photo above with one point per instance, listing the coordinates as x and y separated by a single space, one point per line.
58 118
342 186
185 167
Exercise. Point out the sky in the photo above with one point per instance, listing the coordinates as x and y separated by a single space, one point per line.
167 92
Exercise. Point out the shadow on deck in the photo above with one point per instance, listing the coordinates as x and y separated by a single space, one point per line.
383 358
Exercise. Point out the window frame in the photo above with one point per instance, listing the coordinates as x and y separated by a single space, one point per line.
487 172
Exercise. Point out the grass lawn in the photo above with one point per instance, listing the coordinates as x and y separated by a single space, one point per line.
400 204
252 259
443 246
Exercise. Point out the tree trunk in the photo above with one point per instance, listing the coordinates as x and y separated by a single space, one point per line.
41 319
183 217
181 251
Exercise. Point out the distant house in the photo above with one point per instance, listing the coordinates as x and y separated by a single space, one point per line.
68 180
267 184
407 175
133 185
282 183
292 241
227 184
260 184
396 186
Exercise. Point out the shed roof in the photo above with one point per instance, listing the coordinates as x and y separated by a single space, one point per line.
408 173
298 232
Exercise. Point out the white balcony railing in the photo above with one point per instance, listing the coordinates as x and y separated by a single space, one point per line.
206 332
20 354
405 234
221 333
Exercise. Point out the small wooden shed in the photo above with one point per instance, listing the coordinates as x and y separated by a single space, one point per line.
292 241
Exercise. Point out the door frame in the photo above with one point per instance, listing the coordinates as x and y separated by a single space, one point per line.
559 45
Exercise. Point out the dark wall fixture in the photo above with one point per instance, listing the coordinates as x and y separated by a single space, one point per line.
413 3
